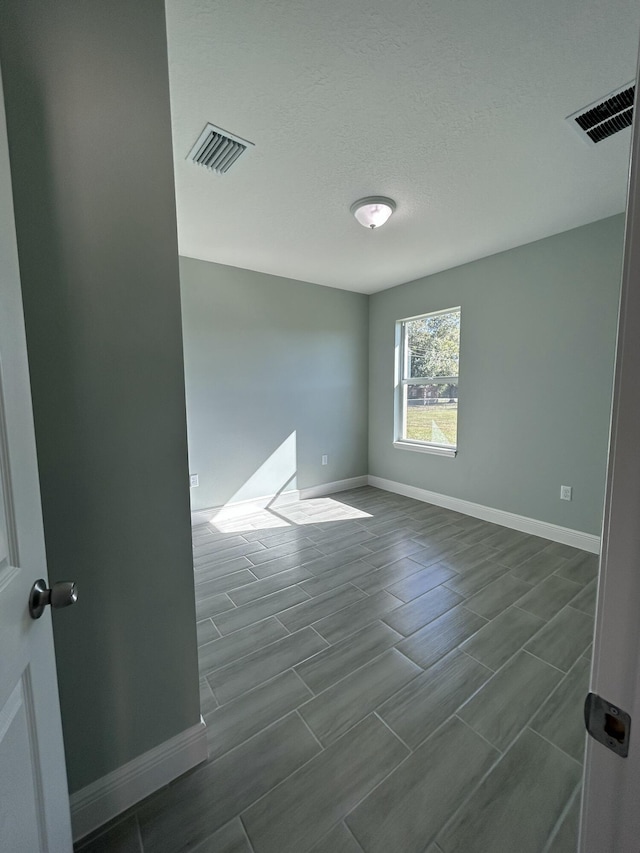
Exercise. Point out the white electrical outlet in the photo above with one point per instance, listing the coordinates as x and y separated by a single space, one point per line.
565 493
194 481
325 459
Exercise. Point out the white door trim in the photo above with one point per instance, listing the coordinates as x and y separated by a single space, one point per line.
610 817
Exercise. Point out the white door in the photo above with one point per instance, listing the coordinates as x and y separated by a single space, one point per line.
610 820
34 802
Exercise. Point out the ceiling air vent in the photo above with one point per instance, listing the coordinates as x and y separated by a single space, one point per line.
217 149
605 117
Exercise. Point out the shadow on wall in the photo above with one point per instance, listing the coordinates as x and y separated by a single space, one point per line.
276 475
273 480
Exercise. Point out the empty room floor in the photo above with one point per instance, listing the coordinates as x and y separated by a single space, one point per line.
379 674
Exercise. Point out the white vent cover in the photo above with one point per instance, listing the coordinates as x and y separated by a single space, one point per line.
605 117
217 149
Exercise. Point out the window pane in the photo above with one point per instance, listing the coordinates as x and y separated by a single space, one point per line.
431 413
433 345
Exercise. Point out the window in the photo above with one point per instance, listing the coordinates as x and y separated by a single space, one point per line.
428 350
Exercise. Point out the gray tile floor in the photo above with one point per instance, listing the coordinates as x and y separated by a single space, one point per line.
380 675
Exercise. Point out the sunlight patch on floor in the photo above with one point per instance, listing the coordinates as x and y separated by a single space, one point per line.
263 519
312 511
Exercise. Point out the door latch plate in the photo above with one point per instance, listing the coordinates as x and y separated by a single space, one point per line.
607 724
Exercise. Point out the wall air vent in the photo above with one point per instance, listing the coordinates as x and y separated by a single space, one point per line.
217 149
605 117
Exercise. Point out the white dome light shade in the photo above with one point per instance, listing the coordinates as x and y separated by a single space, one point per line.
374 211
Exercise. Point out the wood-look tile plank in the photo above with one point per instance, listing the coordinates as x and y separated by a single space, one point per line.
343 658
282 564
586 599
277 535
287 549
416 711
269 605
549 597
274 583
474 532
559 549
503 815
561 720
330 562
331 545
477 577
339 625
336 530
464 561
217 570
419 612
497 596
236 678
417 583
303 808
239 720
392 553
230 839
518 552
228 649
436 529
206 631
212 544
322 583
317 608
540 566
341 706
504 538
563 639
391 536
412 805
566 838
432 642
224 583
582 568
470 522
212 605
208 701
388 575
188 811
339 840
501 638
226 554
438 551
501 709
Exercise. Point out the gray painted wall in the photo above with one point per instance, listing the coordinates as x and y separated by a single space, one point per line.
87 95
276 376
537 351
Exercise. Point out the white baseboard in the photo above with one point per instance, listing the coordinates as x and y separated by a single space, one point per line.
336 486
110 795
240 508
576 538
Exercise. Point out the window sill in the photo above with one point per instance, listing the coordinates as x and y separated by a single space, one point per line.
426 448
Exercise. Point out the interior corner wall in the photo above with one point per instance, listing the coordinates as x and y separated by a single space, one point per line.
87 101
276 377
538 333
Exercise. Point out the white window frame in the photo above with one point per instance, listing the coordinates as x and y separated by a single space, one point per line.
402 380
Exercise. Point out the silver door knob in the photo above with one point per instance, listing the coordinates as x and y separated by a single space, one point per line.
61 594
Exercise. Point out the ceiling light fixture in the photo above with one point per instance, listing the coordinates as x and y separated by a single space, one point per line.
372 212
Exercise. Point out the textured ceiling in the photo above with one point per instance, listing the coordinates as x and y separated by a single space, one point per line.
453 108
